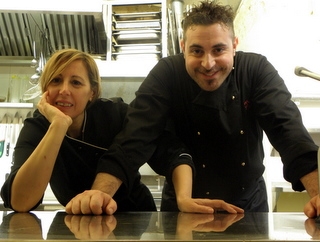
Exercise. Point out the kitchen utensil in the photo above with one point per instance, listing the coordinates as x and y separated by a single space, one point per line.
34 61
35 91
137 36
133 16
2 144
3 128
15 130
8 134
34 79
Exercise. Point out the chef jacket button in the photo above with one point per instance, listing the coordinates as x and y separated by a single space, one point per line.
233 97
207 193
243 163
241 132
203 166
198 133
242 188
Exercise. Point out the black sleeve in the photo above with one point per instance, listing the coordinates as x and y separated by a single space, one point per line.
144 123
281 120
170 153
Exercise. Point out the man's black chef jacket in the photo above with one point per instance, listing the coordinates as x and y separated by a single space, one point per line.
223 129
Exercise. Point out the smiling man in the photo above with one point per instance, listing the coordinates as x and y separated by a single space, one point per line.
219 101
209 53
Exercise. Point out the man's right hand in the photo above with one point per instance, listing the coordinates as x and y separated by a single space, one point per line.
92 202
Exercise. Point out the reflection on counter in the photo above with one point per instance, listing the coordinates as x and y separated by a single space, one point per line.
164 226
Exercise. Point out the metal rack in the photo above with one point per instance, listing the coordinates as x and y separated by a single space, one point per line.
136 35
136 30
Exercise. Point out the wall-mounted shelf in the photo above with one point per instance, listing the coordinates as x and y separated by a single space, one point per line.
10 109
16 105
137 68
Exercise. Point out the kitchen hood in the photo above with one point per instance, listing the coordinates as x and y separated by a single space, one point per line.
30 27
95 26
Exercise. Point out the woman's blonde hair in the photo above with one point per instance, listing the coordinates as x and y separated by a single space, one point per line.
61 59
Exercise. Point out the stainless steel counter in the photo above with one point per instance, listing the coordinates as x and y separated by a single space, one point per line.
157 226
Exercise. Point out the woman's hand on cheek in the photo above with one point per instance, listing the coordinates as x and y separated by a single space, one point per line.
51 112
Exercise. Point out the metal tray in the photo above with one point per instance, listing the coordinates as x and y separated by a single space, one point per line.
136 37
136 16
135 57
137 24
137 48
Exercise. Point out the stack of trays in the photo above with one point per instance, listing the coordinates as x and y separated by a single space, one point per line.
136 35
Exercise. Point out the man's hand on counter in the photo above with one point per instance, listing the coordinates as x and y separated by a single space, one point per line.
92 202
99 199
312 208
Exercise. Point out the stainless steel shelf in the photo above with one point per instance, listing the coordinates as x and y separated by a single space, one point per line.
16 105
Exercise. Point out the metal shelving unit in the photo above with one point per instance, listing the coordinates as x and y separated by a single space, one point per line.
136 30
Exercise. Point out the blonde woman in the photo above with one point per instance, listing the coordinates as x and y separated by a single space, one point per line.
64 142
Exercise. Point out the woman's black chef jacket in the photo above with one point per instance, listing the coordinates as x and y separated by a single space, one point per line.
223 129
76 165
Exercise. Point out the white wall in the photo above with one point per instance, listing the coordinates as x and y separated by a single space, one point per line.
288 33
